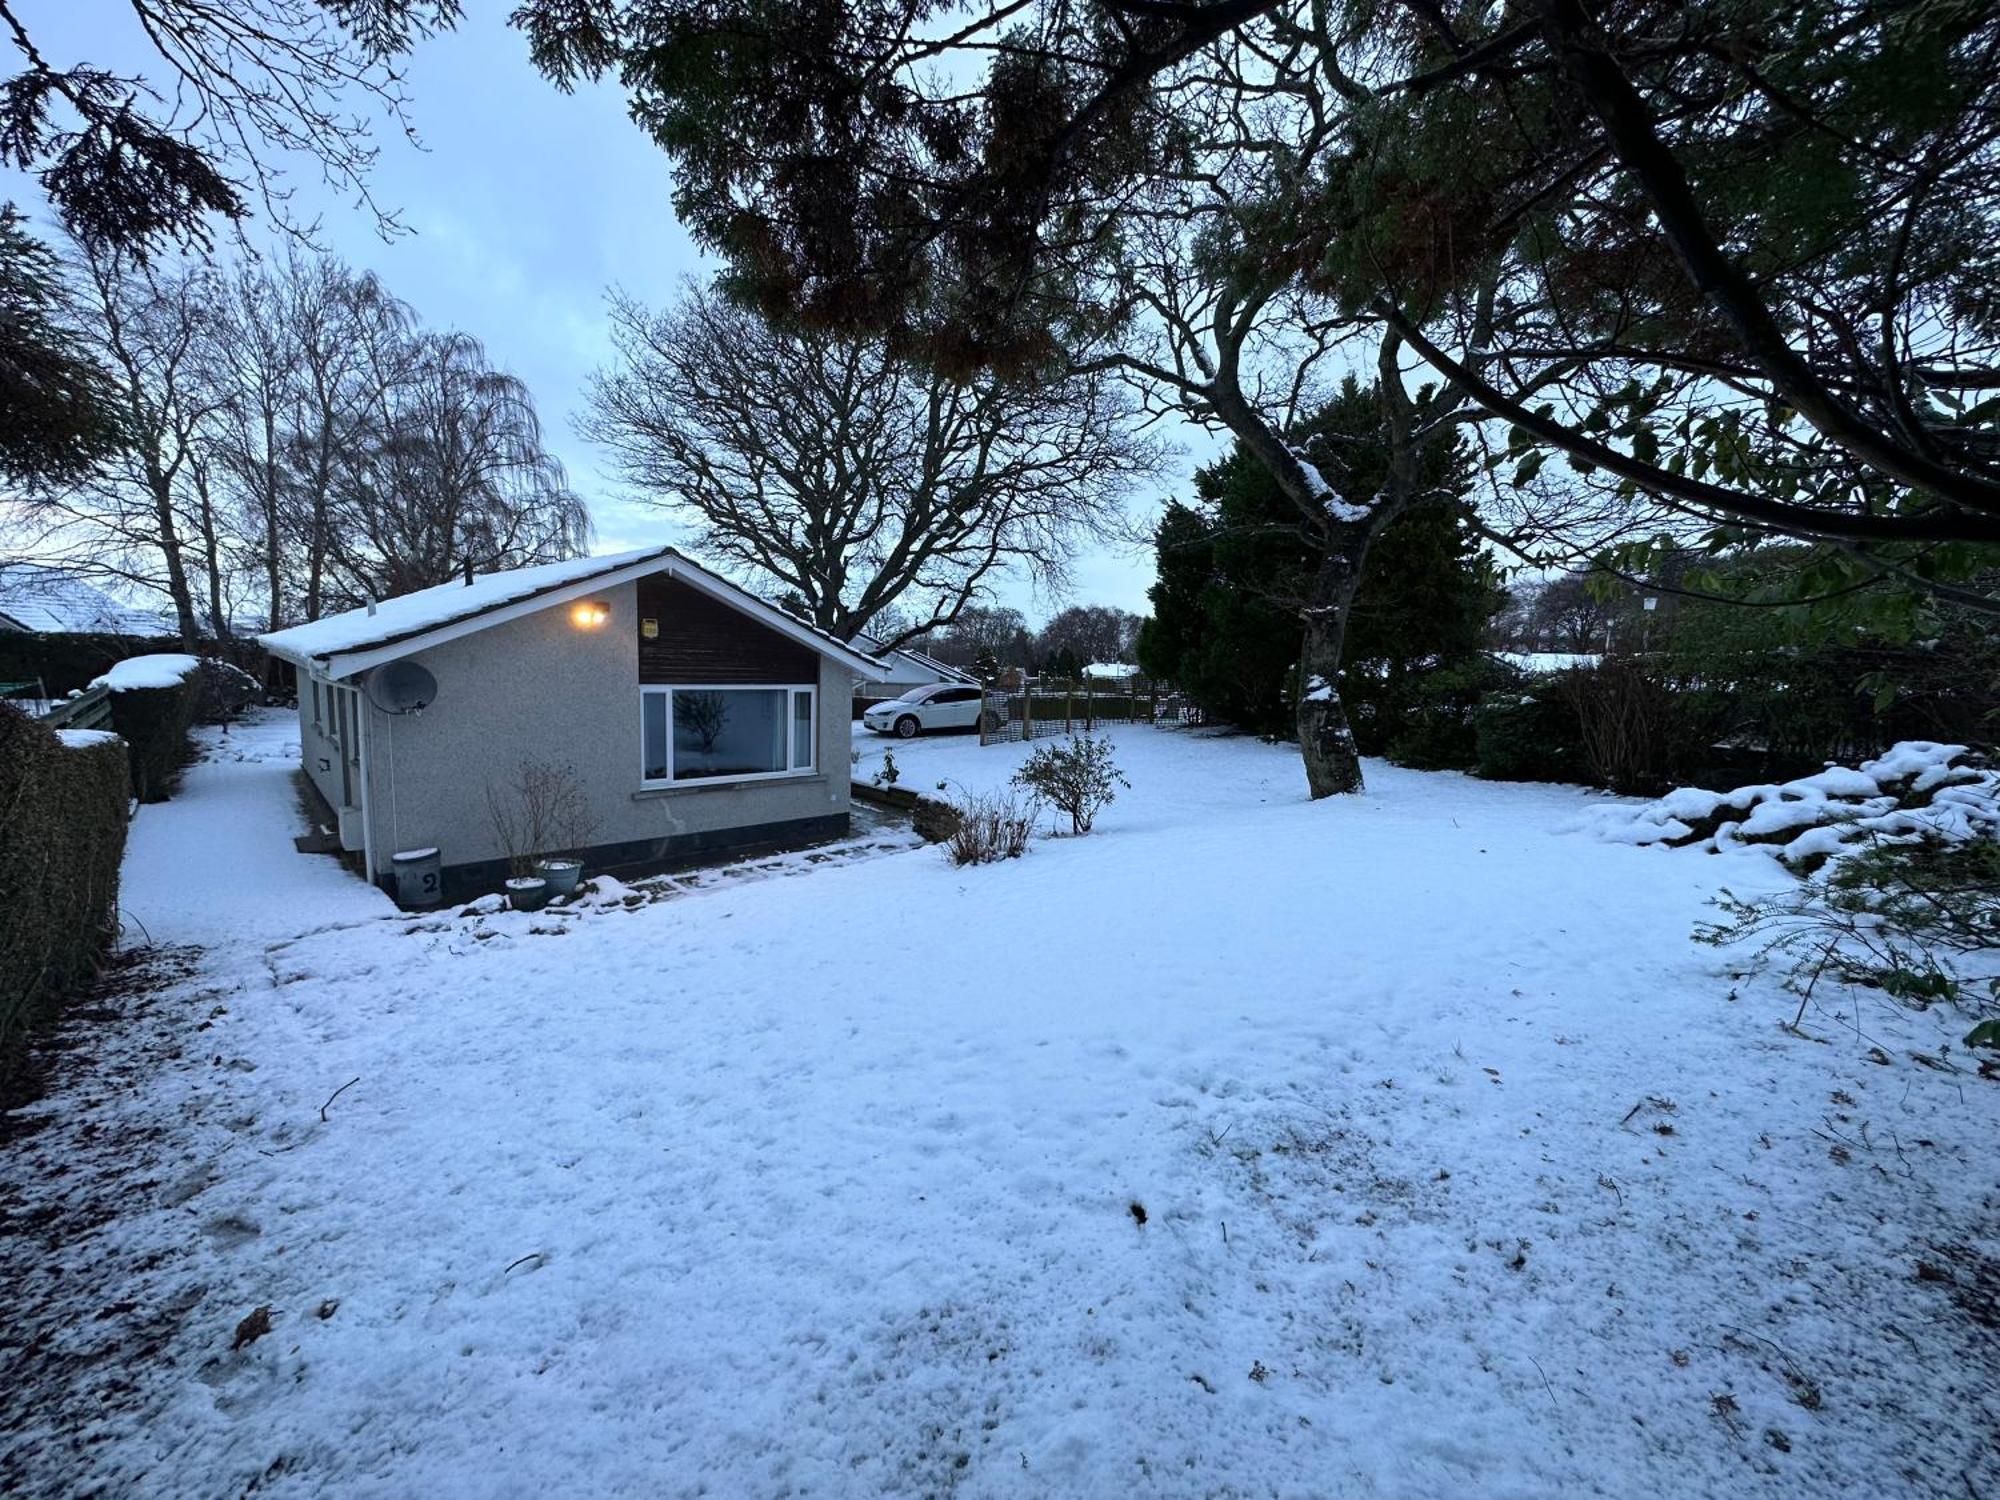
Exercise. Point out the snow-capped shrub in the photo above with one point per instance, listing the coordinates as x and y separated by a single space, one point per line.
1075 776
992 827
1919 792
153 704
66 798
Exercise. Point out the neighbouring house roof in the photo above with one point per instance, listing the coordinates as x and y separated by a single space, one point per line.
908 657
345 644
39 596
1549 661
1111 669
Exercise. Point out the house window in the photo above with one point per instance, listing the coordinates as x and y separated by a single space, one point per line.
725 733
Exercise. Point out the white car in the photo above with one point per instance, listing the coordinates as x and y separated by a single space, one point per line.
942 705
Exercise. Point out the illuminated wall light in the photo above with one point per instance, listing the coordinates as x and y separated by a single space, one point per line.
590 614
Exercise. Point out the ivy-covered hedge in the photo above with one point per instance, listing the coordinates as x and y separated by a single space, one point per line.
62 836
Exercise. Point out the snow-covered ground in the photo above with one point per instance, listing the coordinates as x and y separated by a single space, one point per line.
1391 1145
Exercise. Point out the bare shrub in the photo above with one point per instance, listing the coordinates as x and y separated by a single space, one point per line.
1076 776
540 809
1640 729
991 827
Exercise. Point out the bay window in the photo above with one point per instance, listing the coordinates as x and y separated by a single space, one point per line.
691 733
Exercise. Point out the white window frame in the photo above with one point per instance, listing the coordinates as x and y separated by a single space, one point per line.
791 772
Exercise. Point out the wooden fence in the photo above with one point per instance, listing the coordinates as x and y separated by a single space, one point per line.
90 709
1041 708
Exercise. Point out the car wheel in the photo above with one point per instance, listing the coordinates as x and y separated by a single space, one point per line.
906 727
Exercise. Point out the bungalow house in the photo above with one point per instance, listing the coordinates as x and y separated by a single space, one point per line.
48 600
905 669
684 717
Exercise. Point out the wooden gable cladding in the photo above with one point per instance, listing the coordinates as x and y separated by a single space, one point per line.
702 639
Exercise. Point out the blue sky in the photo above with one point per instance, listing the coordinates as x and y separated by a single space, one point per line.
524 207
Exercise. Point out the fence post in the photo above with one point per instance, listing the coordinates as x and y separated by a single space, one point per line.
1027 707
1069 708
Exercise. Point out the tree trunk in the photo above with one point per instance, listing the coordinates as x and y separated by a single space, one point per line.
1333 767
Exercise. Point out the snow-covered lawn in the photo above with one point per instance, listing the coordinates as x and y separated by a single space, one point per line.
1393 1145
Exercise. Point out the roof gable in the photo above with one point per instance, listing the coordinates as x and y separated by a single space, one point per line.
355 640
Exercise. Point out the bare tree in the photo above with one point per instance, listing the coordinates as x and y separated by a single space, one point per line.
855 480
291 437
1093 632
143 518
447 472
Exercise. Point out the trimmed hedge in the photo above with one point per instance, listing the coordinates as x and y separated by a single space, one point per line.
62 836
69 659
154 723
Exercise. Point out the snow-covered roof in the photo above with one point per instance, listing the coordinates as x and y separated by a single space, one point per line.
351 642
1111 669
1549 661
916 665
38 596
164 670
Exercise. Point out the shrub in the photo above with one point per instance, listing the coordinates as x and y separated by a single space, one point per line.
154 723
1918 921
1437 724
223 691
1641 729
990 828
1077 777
62 835
69 660
1527 736
540 810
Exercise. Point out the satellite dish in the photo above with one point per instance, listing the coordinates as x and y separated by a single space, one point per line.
401 687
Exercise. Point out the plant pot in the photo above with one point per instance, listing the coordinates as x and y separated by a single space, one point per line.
527 893
561 874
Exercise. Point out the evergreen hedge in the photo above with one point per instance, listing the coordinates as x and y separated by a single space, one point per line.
69 659
62 836
154 723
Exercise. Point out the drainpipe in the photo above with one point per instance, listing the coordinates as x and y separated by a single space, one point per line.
362 715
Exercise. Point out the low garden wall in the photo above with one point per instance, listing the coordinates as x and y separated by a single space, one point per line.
63 802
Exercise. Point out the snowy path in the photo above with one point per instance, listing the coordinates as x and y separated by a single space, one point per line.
216 864
1462 1173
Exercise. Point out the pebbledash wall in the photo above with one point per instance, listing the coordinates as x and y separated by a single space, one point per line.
541 687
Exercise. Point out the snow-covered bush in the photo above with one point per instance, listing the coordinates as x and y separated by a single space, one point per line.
1918 792
1900 866
153 704
991 827
1075 776
1919 921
